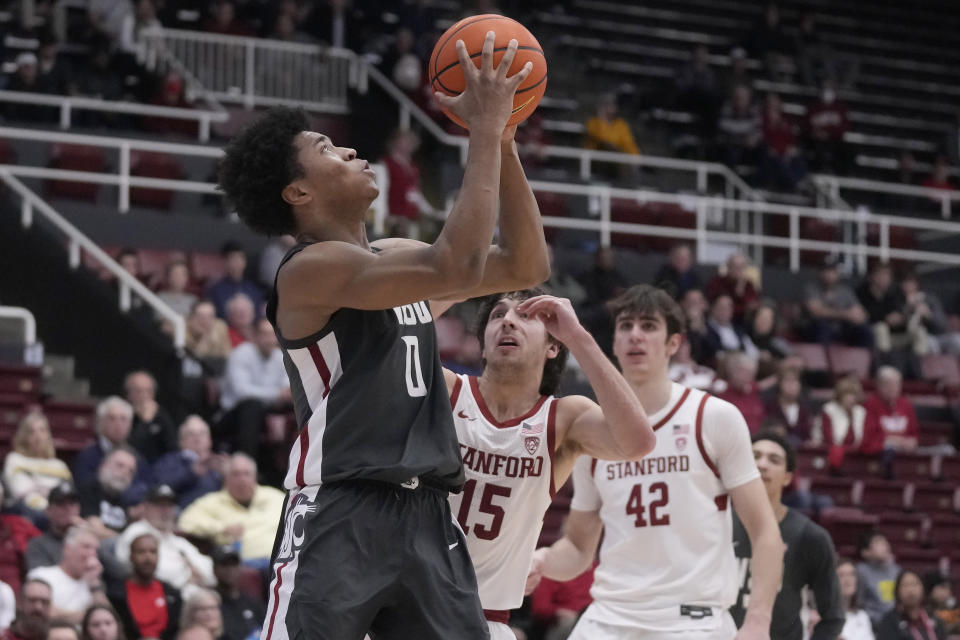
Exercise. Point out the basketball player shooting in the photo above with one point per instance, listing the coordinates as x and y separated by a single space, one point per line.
367 542
519 442
667 568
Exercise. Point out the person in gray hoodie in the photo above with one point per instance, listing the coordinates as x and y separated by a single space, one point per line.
876 573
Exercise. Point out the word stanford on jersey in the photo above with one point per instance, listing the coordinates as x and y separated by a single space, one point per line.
499 464
658 464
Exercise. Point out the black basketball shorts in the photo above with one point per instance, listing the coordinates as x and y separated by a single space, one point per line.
360 557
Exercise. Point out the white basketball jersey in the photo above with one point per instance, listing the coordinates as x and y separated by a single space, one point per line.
509 487
667 523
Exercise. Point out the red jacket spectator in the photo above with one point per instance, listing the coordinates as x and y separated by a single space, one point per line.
777 128
749 403
404 179
551 596
884 420
735 284
15 532
827 120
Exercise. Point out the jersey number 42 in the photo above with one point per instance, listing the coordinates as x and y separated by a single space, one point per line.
635 505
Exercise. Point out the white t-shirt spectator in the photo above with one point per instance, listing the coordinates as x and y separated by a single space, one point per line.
178 559
250 376
8 605
857 626
68 594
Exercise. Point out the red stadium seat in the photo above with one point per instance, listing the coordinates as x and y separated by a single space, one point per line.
840 490
552 205
153 263
153 165
846 360
811 460
813 354
882 495
846 525
21 380
943 531
941 368
935 433
624 210
919 559
904 528
932 498
71 423
861 465
912 467
947 469
206 268
76 157
450 335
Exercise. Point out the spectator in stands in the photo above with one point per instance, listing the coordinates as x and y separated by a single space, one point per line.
63 512
677 274
234 282
909 618
223 20
736 283
834 314
104 503
52 71
782 166
607 131
742 391
941 602
809 559
789 406
772 350
768 42
271 256
194 470
75 581
940 176
147 606
603 282
876 573
240 319
114 421
923 310
242 512
685 370
203 609
405 201
285 28
180 563
101 622
59 630
562 284
170 92
15 533
98 79
857 625
255 382
740 129
557 606
401 64
152 433
174 290
738 75
208 337
694 306
32 469
134 24
841 423
25 80
826 124
885 306
699 91
129 259
242 615
891 424
33 612
108 16
723 334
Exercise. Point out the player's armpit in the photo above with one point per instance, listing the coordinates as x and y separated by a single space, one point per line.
574 553
332 275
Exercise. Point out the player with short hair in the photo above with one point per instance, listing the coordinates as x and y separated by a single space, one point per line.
519 442
809 559
367 541
667 568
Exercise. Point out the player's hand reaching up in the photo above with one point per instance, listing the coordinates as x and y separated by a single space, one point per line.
487 101
557 315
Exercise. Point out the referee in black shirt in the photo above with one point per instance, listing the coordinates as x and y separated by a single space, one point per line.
809 561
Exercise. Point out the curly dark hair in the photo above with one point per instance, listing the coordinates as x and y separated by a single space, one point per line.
553 367
258 164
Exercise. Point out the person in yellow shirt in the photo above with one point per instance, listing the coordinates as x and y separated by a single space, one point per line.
243 511
606 131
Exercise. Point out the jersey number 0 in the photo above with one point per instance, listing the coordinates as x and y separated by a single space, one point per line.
415 385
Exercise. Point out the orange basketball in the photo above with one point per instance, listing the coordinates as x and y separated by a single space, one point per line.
446 75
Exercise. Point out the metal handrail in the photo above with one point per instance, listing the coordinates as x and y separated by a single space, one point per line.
31 203
29 322
833 184
67 104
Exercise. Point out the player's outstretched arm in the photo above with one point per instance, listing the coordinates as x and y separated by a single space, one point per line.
756 514
617 429
572 554
349 276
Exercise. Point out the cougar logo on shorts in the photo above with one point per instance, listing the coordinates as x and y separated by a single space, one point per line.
293 526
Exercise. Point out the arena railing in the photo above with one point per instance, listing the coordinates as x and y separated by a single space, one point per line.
258 71
32 204
32 350
68 104
831 186
124 180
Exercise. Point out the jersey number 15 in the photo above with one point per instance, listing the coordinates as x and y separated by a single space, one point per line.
490 491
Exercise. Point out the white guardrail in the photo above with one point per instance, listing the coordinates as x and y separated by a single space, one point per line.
68 104
831 186
77 241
